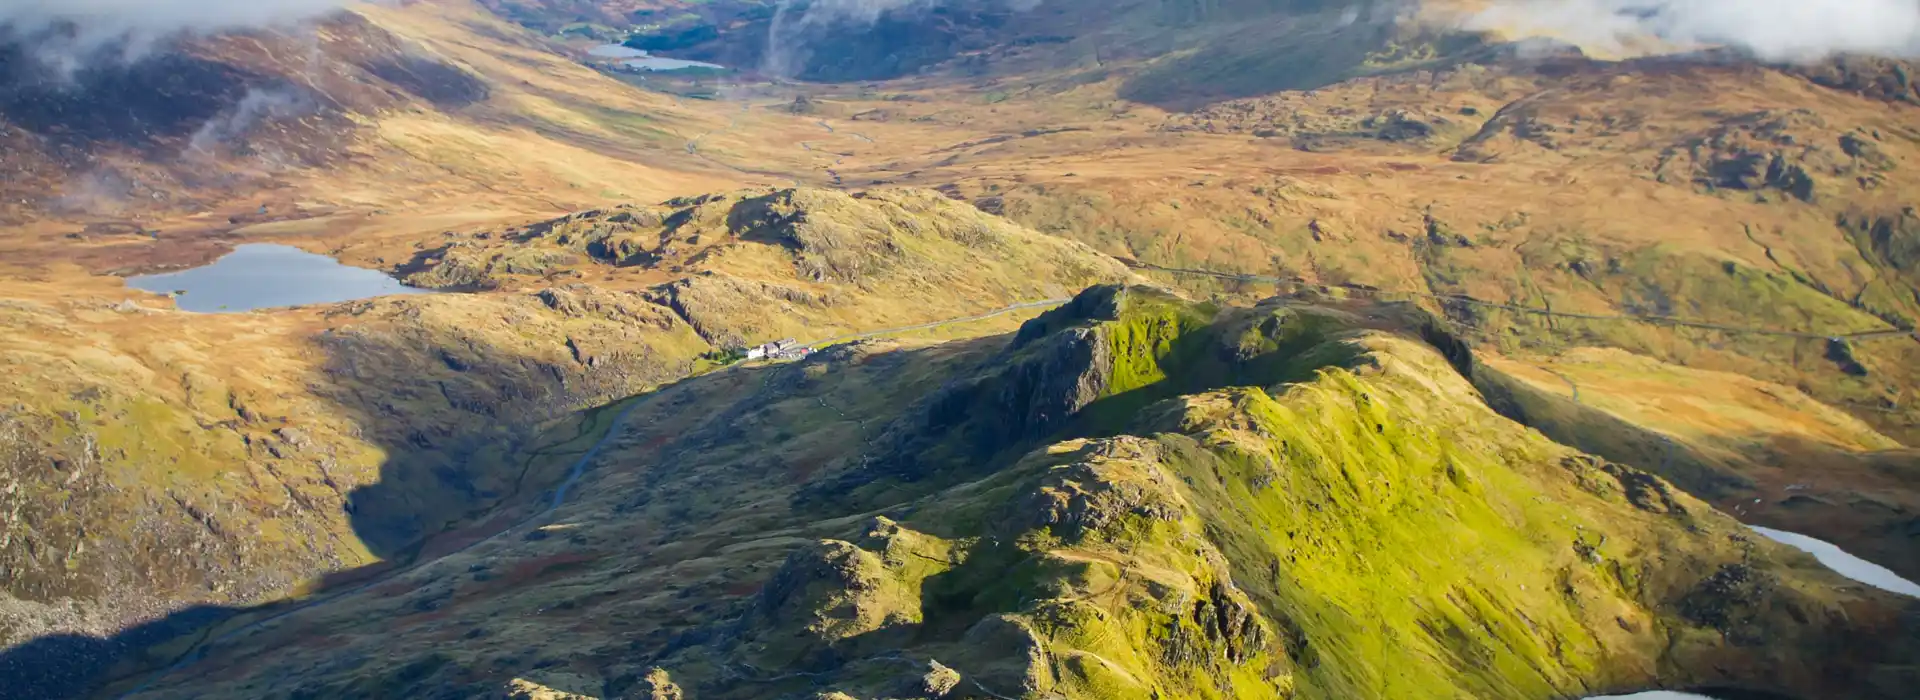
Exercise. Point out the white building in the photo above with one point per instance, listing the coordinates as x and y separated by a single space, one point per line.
787 349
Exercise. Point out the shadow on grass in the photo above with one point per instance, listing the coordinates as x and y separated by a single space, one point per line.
462 423
70 665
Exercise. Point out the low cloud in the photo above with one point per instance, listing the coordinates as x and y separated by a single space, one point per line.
260 105
854 11
797 24
68 34
1775 30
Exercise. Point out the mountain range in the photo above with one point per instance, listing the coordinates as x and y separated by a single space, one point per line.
1171 349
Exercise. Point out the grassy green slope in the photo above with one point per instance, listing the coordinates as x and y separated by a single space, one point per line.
1368 530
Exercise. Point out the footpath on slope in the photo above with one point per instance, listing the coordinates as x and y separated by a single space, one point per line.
574 474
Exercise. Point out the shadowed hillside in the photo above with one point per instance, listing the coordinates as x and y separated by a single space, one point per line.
355 439
1294 484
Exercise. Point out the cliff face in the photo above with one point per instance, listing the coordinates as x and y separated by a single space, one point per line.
1134 496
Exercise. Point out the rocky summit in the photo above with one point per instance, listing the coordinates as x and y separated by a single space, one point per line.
768 349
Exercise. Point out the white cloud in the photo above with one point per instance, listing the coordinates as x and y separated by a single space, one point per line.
798 23
64 33
259 105
1780 30
790 37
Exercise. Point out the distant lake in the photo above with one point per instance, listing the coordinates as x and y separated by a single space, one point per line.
264 275
616 51
641 60
656 63
1843 563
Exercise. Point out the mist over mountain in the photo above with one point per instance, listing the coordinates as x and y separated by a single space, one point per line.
67 35
1780 30
799 28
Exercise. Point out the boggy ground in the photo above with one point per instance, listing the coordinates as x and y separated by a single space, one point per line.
1134 495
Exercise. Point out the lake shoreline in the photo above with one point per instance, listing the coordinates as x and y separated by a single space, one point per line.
258 276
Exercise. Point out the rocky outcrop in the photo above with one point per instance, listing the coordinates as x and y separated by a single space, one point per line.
1281 116
1080 503
1795 153
1890 240
1003 653
1087 368
582 301
657 685
1890 79
828 236
457 267
1057 365
729 311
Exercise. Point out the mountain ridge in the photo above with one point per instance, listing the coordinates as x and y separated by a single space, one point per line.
1086 515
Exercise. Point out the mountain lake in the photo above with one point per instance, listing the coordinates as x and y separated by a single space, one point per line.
264 275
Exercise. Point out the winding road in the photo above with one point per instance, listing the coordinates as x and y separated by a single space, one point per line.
560 492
